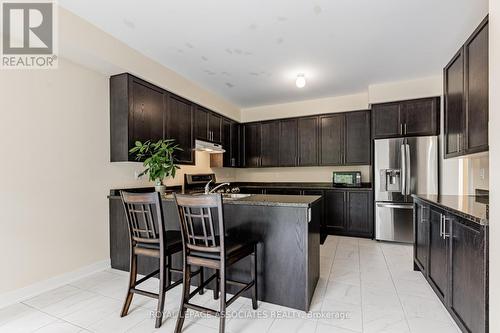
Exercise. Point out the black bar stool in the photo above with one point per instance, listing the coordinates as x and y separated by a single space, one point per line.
144 215
203 247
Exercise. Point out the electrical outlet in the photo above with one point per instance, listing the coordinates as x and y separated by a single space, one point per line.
481 173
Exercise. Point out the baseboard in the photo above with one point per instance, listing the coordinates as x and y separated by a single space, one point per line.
27 292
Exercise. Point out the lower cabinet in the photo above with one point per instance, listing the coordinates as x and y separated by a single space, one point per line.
349 212
451 252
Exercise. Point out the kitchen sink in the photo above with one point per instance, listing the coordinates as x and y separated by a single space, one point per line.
235 196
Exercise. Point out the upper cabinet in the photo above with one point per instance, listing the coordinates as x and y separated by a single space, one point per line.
179 126
308 141
141 111
332 139
416 117
466 96
137 114
287 142
231 142
357 147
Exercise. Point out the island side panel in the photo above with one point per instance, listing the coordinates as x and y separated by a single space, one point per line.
313 256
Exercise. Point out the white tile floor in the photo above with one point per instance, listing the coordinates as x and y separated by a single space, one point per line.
371 284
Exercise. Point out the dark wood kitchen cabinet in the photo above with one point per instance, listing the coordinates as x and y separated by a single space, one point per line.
214 127
467 273
421 245
307 141
438 249
287 142
451 252
179 126
331 128
335 216
466 96
359 213
349 212
201 123
231 143
252 145
357 147
454 111
416 117
137 114
269 148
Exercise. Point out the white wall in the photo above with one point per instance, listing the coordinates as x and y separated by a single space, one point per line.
494 140
56 174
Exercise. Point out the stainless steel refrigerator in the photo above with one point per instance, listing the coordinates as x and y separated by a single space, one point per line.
403 166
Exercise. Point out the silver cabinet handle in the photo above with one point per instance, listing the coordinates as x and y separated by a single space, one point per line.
401 129
441 225
389 205
406 129
445 222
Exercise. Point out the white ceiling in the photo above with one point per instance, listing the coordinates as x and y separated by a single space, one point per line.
250 51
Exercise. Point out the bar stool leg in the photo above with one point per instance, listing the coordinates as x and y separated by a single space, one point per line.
217 282
169 272
161 294
201 279
254 277
222 319
131 283
185 297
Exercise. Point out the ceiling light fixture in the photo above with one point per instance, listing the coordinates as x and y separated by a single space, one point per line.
300 82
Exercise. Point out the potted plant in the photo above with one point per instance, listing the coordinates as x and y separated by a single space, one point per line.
158 160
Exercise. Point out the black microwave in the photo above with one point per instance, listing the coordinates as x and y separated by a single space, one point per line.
347 178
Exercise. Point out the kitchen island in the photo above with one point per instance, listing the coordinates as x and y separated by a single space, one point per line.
286 226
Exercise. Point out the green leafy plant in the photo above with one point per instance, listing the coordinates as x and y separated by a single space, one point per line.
158 157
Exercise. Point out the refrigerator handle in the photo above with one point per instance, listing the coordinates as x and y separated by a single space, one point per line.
408 169
403 169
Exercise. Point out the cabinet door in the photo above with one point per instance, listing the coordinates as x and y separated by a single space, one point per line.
226 142
308 141
454 116
468 275
421 235
235 144
148 108
251 190
335 202
283 191
438 247
288 142
179 127
359 213
214 127
200 123
420 116
476 87
252 145
332 139
269 147
386 120
357 138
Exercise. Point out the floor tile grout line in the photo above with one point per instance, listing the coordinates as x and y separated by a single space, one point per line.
361 290
395 288
55 319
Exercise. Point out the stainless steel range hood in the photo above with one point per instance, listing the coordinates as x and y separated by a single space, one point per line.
210 147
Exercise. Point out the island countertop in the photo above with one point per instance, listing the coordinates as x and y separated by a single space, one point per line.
276 200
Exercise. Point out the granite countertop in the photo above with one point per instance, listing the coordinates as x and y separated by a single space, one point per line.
471 207
315 186
274 200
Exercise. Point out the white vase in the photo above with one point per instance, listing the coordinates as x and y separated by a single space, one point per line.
159 187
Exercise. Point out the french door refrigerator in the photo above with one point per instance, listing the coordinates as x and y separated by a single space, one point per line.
403 166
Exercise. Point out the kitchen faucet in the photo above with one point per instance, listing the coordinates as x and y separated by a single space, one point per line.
208 190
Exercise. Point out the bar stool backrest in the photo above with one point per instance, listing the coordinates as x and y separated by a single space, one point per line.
196 216
144 215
